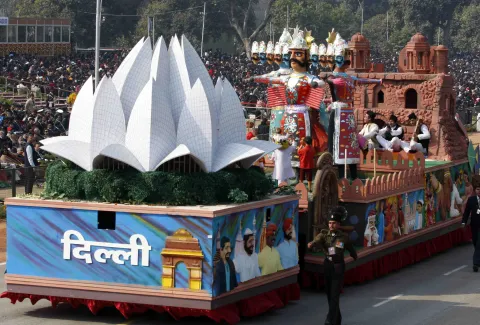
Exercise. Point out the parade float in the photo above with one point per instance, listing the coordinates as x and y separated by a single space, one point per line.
403 206
154 204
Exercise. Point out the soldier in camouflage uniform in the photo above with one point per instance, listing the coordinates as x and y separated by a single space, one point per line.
333 243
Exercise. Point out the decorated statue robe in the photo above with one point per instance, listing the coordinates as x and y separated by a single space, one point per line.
301 105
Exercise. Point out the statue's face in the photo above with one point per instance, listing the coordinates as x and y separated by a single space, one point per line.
298 60
255 58
269 58
286 59
278 59
339 61
331 61
263 58
323 60
314 59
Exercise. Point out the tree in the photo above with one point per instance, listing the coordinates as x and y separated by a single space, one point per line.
241 19
467 20
318 16
425 16
181 17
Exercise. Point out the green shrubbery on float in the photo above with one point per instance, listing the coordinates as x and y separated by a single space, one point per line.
65 181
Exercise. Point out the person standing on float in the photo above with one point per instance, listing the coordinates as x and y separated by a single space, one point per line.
342 129
298 92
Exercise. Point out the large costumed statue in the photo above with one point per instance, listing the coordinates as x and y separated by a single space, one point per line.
281 58
301 94
344 142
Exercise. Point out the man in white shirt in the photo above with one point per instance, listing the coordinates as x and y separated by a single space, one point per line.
246 264
419 141
370 130
391 136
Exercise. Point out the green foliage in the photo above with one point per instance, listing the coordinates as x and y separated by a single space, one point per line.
238 196
131 186
465 29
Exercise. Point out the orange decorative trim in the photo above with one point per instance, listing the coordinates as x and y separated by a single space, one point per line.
381 187
390 161
198 211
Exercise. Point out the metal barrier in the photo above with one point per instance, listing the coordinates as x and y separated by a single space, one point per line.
6 86
13 180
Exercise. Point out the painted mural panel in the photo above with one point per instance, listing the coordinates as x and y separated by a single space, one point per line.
254 243
152 250
389 219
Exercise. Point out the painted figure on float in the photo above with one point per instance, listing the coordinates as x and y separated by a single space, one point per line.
301 96
343 141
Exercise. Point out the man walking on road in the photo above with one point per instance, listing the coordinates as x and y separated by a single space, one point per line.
333 243
472 210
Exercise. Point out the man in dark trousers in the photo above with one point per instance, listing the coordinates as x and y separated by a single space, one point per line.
333 243
472 211
30 161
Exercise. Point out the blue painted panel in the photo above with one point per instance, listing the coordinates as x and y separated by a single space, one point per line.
34 246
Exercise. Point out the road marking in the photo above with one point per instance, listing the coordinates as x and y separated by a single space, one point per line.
387 300
455 270
3 263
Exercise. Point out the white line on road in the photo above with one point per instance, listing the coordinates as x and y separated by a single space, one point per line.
455 270
3 263
388 300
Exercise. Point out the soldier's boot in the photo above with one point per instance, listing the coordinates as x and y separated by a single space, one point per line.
475 268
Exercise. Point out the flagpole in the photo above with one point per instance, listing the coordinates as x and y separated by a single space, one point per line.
203 27
97 41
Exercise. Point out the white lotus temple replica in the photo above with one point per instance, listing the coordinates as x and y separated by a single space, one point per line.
157 107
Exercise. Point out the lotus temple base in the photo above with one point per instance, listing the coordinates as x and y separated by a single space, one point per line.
143 257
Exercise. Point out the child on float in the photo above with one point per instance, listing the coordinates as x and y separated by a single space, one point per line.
306 153
282 157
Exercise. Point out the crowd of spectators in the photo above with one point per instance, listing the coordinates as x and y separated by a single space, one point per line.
59 76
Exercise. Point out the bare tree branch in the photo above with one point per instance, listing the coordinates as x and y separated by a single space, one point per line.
268 16
247 12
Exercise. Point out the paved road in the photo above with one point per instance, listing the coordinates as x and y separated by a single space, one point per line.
435 292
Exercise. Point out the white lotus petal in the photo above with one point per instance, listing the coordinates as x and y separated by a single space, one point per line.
108 126
151 131
218 96
131 79
123 70
80 125
77 152
160 66
179 80
232 130
265 146
120 153
179 151
247 163
231 153
197 71
195 126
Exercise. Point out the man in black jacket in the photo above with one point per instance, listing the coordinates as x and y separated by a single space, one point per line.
472 210
225 275
30 162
